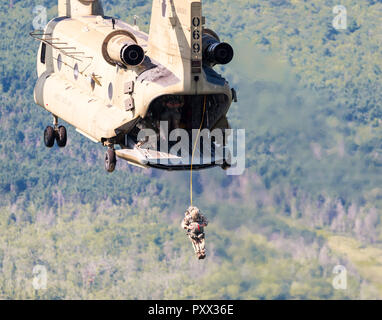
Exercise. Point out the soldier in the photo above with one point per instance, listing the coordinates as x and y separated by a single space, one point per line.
194 222
172 111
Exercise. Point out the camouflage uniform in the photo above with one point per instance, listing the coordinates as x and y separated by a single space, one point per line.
195 230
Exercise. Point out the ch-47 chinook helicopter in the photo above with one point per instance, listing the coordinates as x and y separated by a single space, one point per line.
110 80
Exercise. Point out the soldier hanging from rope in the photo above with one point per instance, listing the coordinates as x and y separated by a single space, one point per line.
194 222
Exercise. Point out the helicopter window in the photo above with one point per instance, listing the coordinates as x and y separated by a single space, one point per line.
92 81
59 62
110 91
43 52
76 72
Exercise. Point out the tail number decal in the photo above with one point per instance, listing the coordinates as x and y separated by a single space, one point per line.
196 31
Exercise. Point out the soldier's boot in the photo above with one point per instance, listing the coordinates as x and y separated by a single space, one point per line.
202 247
203 252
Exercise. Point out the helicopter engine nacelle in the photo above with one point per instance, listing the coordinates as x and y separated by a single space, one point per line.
120 48
214 51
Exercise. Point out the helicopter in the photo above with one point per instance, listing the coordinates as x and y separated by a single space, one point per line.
112 82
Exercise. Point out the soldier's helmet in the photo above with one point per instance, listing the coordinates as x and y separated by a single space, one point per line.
190 209
195 214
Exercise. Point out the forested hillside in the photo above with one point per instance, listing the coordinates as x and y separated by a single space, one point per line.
310 198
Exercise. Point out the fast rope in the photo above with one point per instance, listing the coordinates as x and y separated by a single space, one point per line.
196 142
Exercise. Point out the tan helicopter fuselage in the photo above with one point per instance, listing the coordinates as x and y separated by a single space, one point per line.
102 99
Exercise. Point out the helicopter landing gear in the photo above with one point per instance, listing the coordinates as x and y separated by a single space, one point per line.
49 136
110 160
61 136
55 133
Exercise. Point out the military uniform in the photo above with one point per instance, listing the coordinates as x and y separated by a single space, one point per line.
195 230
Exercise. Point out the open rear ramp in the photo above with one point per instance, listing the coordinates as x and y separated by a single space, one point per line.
149 157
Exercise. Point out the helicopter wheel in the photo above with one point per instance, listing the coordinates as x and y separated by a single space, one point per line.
49 136
61 136
110 160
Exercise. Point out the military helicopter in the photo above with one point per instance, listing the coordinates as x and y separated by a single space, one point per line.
110 80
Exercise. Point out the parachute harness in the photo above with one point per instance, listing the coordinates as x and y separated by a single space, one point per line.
196 141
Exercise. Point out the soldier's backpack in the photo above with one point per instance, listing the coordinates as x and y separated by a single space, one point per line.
197 229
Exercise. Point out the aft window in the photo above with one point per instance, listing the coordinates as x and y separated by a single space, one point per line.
43 52
76 72
110 91
59 62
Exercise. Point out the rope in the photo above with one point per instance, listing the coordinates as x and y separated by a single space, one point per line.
196 141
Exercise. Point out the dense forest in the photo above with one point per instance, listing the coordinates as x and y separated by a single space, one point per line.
310 101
